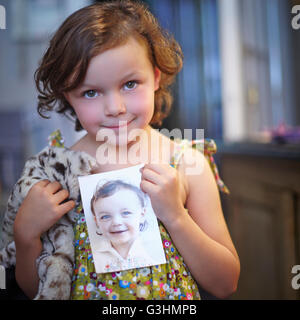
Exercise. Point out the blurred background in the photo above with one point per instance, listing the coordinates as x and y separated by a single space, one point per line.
239 83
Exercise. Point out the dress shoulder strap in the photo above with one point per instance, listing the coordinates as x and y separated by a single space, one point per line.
206 146
55 139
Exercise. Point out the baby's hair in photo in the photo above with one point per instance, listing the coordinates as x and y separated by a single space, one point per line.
111 187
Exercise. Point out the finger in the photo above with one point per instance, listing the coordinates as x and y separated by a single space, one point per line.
53 187
42 183
65 207
148 187
152 176
39 186
60 196
159 168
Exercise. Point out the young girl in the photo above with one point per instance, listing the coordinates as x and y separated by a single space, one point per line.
109 67
119 212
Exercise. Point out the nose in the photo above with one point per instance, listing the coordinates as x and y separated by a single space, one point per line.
114 105
117 220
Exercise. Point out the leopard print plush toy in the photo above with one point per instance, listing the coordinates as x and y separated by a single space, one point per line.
55 265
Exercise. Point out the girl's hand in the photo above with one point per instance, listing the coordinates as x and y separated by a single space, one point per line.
166 189
41 209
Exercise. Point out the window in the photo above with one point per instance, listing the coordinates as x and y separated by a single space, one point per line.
259 91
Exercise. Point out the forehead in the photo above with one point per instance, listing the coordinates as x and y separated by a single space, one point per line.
134 42
122 197
131 55
135 51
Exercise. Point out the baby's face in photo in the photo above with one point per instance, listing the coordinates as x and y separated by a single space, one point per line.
119 216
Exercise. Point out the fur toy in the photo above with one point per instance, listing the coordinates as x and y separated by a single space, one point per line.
55 264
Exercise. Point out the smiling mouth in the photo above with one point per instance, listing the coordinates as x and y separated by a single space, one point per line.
118 232
122 124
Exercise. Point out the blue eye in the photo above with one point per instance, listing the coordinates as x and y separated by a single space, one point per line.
126 213
90 94
130 85
105 217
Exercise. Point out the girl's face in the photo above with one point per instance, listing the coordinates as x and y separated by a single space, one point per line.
119 216
118 90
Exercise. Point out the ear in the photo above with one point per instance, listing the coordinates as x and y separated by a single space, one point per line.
143 212
98 230
66 95
142 216
157 76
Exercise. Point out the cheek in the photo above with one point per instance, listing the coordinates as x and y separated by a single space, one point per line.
86 114
104 226
134 225
85 117
142 103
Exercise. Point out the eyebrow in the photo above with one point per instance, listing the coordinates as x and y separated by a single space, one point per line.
127 76
106 212
103 212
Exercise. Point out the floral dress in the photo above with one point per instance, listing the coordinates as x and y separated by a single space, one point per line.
170 281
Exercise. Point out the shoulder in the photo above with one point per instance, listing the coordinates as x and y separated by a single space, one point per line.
192 162
165 146
203 198
197 161
203 192
79 145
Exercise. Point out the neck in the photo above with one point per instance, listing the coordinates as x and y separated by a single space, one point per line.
149 147
123 248
132 153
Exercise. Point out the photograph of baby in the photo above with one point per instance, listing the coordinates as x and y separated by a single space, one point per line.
122 226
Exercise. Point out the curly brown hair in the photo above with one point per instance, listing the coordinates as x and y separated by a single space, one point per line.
92 30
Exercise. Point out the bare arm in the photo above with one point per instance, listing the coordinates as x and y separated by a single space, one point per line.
212 264
26 270
201 236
